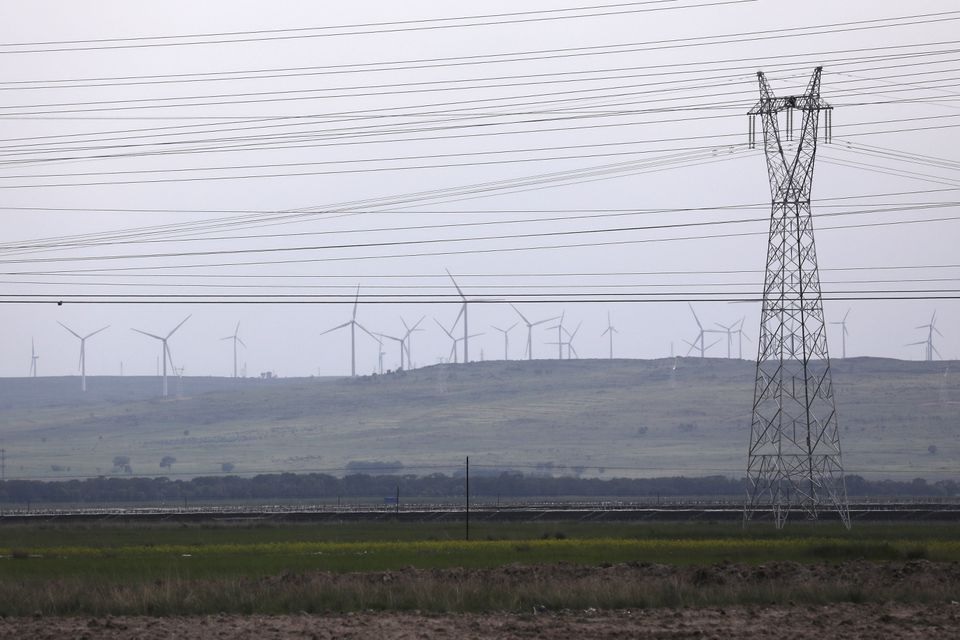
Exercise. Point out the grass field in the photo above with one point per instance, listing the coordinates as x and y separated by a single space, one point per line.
645 419
171 569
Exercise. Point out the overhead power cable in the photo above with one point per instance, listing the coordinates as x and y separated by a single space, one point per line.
325 31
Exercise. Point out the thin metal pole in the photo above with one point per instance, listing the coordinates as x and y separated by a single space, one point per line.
467 491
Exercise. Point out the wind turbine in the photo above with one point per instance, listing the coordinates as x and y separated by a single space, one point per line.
530 326
236 338
740 336
570 337
463 312
33 360
83 352
700 342
929 349
454 339
843 333
395 339
381 353
729 330
165 354
353 324
610 330
559 329
407 339
506 339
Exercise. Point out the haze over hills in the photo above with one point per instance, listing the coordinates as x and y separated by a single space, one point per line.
594 418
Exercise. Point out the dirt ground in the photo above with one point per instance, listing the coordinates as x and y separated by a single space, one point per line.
848 621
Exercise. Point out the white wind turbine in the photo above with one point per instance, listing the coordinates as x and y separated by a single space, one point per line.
353 324
83 352
530 326
463 312
730 330
33 360
700 342
398 341
560 330
380 354
929 350
165 354
843 333
408 339
506 338
453 339
741 334
570 337
236 339
610 330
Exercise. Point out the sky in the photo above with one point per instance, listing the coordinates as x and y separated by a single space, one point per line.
239 162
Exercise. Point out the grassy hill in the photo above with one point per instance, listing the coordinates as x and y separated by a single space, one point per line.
635 418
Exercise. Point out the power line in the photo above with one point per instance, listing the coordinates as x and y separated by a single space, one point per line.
297 36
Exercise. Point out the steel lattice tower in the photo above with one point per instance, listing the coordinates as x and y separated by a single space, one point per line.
794 459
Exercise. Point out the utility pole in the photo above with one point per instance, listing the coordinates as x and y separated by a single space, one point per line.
794 456
467 493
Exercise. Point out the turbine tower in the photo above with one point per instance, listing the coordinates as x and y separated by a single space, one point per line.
236 339
559 341
463 312
506 339
353 324
83 352
33 360
165 354
609 331
530 326
794 459
843 334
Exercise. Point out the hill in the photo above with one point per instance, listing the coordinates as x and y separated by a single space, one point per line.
604 418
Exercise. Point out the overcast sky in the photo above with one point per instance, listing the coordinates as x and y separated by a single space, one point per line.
259 152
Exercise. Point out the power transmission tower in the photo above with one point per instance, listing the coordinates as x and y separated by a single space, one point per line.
794 459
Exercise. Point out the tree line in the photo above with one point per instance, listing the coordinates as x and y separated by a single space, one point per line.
324 487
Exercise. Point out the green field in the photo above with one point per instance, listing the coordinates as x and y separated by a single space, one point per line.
645 418
159 569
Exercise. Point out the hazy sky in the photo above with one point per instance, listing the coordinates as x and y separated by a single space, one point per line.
231 151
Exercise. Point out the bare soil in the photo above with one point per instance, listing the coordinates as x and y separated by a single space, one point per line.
849 621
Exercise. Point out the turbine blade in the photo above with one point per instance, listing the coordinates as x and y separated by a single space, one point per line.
356 301
90 335
695 315
544 320
846 314
178 326
364 329
70 330
339 326
456 285
166 348
444 329
147 334
527 322
242 343
510 328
